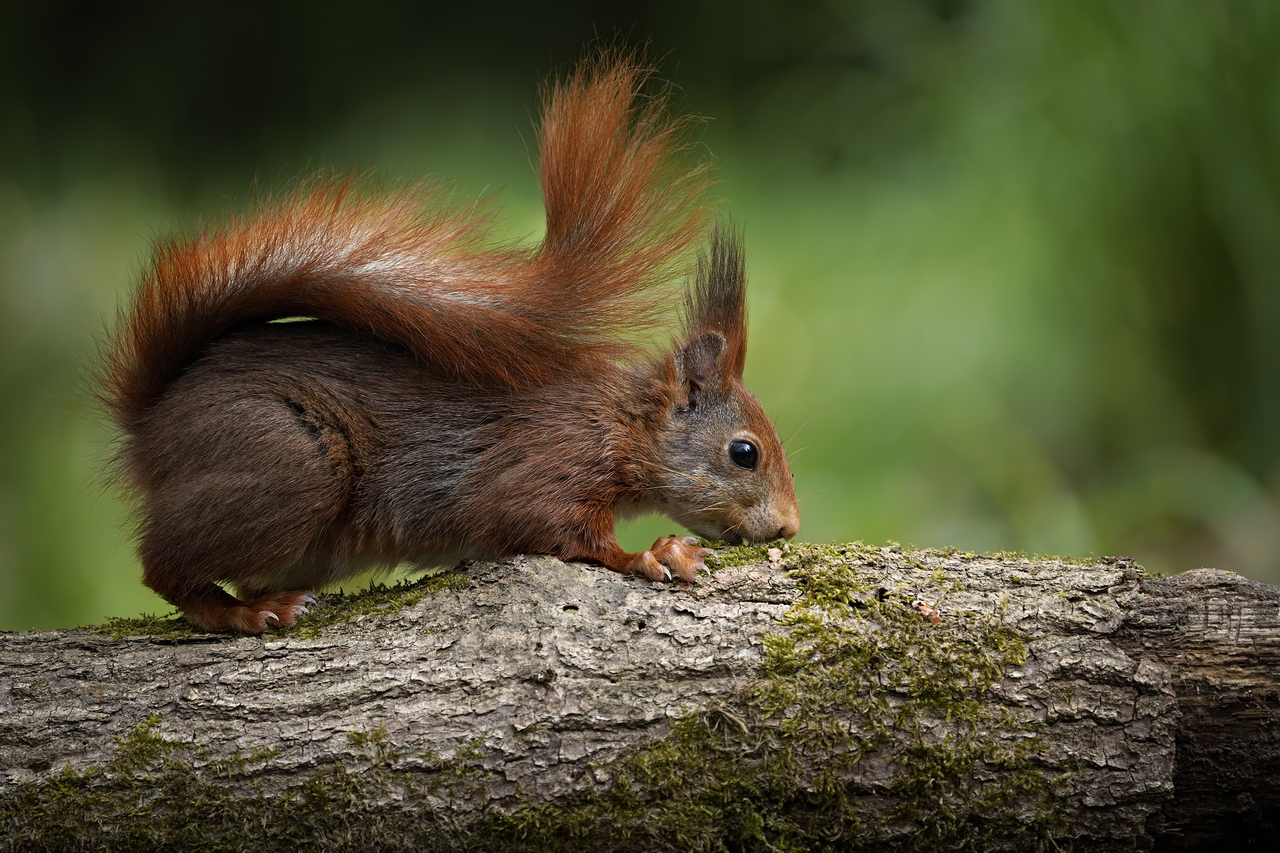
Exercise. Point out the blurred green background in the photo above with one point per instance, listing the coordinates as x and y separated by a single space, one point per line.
1013 264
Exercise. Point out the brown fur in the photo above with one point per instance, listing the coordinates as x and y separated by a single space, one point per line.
448 400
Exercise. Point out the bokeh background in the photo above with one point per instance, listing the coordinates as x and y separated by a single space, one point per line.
1013 265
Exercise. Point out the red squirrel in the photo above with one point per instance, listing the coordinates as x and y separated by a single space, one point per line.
443 399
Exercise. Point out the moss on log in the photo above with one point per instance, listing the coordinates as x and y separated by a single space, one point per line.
842 697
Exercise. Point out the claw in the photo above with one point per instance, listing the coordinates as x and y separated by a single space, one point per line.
681 554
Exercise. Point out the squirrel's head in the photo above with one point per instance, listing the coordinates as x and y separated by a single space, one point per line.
724 473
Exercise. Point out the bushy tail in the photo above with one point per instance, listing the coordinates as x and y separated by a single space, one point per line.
411 268
620 210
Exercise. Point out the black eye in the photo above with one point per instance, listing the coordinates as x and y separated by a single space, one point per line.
743 454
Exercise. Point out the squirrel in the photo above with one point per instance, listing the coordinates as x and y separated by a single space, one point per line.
352 377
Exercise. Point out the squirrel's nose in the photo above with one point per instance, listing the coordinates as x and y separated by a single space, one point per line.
790 526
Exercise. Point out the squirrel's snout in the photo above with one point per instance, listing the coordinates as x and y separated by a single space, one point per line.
790 525
774 524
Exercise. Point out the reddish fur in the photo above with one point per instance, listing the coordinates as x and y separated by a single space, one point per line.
459 400
619 217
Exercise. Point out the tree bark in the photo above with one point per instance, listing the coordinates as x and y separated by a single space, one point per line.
848 697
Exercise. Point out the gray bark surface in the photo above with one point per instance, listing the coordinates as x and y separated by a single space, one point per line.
1156 703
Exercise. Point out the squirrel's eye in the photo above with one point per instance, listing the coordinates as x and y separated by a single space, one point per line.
743 454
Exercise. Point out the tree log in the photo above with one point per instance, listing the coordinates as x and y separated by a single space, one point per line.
801 698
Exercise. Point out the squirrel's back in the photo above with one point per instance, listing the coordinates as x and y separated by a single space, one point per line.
415 267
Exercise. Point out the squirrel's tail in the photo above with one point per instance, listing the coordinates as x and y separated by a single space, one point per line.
621 212
409 267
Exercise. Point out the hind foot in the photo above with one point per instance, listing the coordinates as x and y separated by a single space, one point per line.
213 609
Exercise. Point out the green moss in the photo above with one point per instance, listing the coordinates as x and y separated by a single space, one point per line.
1023 556
133 802
330 609
855 675
158 794
724 556
951 552
1012 556
377 599
169 627
371 740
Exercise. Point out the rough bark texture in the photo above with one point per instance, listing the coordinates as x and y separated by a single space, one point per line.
827 696
1219 635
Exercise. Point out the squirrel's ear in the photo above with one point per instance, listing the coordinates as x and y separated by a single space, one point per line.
716 304
701 362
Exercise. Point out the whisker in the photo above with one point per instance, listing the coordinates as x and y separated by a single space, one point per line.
794 433
678 472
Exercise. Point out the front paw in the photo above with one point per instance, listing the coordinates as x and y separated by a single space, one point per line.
679 554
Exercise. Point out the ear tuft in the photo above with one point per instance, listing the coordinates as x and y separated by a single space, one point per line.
701 359
716 300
